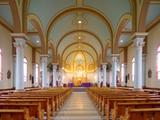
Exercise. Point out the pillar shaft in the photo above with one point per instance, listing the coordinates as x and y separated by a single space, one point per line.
104 75
45 81
139 43
138 62
20 42
124 74
114 70
54 74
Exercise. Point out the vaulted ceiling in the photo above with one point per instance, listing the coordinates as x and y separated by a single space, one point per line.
90 27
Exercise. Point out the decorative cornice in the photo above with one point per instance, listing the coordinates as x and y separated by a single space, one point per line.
43 55
20 35
139 34
104 63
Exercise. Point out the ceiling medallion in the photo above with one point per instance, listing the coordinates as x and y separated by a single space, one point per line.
79 37
79 20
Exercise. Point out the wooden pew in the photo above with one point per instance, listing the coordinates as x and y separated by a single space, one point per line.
50 99
14 114
142 114
110 103
44 104
120 108
106 98
33 108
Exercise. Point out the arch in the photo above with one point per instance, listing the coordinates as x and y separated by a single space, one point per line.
74 31
122 22
6 25
81 51
108 45
25 6
153 23
37 24
71 9
16 16
81 43
50 45
143 16
134 15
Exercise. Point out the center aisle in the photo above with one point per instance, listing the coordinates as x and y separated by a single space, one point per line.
78 107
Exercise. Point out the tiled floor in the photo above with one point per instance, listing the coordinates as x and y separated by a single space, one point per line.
78 107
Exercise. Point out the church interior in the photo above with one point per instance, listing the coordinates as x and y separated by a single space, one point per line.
79 59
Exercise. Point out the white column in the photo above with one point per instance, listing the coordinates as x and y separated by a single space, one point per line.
138 41
14 71
104 75
107 77
34 75
45 81
123 74
99 77
54 74
20 42
114 70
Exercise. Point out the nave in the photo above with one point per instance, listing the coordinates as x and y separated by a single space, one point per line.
48 48
78 107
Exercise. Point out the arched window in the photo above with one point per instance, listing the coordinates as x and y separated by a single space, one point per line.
158 63
0 64
133 68
37 70
25 69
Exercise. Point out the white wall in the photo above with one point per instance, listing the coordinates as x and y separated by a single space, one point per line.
121 58
153 42
7 59
92 77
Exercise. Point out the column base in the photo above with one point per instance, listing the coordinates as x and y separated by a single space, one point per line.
20 90
113 87
45 87
138 89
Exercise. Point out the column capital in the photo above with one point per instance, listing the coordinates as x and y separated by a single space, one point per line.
138 42
54 63
115 55
104 63
44 58
115 58
124 64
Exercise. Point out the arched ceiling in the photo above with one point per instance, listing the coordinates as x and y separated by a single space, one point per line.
57 22
85 37
61 27
5 13
153 13
114 9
